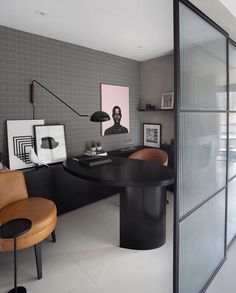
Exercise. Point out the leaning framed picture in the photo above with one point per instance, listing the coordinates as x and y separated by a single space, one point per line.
167 101
50 143
20 138
152 135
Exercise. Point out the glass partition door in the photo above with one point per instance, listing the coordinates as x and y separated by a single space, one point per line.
201 132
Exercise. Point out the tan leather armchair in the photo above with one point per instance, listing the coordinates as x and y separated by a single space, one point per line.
150 154
15 203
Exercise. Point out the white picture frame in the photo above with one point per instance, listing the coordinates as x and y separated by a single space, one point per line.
167 100
152 135
20 139
50 143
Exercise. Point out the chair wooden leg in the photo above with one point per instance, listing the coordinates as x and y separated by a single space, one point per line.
38 258
54 239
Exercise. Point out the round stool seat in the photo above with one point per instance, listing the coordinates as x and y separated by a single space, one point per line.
43 215
153 155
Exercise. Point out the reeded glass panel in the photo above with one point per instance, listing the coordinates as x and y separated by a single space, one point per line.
232 77
201 244
231 221
202 157
202 62
232 145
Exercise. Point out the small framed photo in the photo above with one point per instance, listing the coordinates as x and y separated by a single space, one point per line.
167 101
152 135
50 143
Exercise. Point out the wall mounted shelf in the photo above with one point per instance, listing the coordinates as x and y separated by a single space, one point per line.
155 110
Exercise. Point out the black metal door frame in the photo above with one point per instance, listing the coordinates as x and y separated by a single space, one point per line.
233 43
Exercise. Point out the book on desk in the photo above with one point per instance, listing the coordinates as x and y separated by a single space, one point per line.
93 161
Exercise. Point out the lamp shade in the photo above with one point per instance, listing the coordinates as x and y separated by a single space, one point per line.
99 116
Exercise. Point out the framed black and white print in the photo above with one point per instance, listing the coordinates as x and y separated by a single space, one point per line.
152 135
50 143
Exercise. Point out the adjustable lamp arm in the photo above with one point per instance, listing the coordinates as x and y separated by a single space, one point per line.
55 96
98 116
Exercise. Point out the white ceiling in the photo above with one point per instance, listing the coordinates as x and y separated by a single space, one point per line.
230 5
118 27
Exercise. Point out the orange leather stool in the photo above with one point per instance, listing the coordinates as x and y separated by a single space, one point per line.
15 203
152 155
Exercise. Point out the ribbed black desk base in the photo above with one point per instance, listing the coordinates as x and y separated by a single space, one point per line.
20 289
142 217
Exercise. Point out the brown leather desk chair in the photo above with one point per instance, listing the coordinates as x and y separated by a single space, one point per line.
15 203
151 154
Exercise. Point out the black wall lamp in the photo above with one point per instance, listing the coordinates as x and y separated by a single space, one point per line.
98 116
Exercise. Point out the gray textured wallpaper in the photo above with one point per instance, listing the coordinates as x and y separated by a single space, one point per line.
73 73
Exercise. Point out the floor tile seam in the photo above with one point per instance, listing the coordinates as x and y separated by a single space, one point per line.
79 286
78 265
87 273
77 262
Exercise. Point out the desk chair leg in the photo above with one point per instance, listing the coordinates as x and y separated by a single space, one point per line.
54 239
38 258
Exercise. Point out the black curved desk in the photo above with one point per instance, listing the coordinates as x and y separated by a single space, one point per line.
142 199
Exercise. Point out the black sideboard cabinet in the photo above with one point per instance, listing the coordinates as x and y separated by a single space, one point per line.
67 191
70 192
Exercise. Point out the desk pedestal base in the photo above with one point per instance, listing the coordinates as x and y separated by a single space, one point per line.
142 217
19 289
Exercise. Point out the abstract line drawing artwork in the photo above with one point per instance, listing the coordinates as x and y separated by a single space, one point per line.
22 145
20 136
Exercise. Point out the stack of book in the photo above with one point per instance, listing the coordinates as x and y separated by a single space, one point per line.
95 153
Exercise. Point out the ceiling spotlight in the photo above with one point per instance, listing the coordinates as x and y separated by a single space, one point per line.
39 12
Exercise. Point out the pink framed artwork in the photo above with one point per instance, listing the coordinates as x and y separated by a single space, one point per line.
115 101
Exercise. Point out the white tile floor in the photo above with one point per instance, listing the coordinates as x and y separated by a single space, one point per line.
225 280
87 258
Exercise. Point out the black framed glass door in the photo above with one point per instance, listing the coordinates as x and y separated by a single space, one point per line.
201 147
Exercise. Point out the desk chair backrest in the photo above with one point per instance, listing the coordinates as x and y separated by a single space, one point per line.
12 188
152 155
